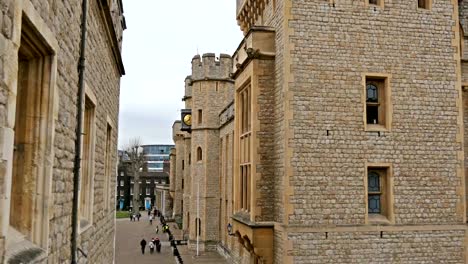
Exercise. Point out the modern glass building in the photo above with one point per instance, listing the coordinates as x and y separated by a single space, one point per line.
156 155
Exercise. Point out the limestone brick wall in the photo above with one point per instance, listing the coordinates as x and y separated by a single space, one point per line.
226 136
187 192
422 145
172 170
329 98
266 167
277 153
179 174
61 22
376 247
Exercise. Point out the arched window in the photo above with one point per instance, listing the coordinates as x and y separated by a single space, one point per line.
199 154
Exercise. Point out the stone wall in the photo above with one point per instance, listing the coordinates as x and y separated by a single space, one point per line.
376 247
327 96
179 174
331 146
59 23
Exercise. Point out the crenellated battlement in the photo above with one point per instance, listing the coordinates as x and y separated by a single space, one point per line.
209 67
188 86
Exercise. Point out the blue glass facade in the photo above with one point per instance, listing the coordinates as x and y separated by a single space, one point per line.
156 155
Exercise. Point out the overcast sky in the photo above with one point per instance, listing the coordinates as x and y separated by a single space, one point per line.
158 45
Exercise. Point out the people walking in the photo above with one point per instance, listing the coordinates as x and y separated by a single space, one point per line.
157 229
158 245
138 216
143 246
151 219
151 246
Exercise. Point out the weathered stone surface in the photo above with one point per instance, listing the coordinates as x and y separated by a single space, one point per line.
59 24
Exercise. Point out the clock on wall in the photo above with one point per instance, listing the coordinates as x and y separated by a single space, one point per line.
186 117
188 120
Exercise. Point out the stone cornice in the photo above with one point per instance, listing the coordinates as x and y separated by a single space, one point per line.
109 25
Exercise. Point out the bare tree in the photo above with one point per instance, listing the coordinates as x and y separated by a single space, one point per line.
137 160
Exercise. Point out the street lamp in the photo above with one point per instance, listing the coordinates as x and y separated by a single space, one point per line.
229 229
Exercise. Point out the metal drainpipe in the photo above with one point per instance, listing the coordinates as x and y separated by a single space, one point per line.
78 133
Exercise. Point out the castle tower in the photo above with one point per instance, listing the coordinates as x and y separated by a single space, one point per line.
211 88
177 166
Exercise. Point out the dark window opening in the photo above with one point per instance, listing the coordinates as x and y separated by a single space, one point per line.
423 4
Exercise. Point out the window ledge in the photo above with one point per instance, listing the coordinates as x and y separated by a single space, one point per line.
19 249
84 225
376 128
378 219
244 218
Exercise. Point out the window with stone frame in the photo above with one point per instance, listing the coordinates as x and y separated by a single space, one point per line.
131 190
200 116
375 2
121 192
121 183
377 113
148 191
424 4
199 154
32 105
379 194
245 137
87 164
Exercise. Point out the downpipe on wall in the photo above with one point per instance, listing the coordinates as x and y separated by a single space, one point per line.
78 133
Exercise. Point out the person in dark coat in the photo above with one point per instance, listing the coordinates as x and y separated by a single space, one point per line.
158 244
143 246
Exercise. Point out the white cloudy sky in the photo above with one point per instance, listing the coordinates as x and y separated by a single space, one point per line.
158 45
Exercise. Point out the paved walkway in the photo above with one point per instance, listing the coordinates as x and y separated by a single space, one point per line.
129 235
127 242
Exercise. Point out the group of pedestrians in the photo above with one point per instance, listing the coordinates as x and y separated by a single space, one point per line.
154 243
134 217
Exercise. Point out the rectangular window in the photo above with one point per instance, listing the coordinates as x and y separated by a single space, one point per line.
244 97
107 166
378 105
200 116
379 193
131 181
424 4
121 192
131 190
182 183
122 173
32 108
183 164
87 163
121 183
148 181
148 191
375 2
